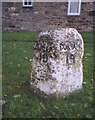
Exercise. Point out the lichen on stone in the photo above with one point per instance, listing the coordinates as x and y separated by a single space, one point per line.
57 61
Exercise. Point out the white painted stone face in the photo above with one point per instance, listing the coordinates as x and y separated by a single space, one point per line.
57 62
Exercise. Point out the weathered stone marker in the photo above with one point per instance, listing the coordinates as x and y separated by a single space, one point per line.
57 62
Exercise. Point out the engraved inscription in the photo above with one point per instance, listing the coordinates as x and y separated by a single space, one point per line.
47 50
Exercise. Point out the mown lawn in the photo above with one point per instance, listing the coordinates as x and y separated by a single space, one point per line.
20 102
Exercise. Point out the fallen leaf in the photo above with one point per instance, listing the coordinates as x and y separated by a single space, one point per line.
16 96
30 60
18 65
2 102
56 107
87 54
84 83
42 106
25 58
11 63
14 44
24 51
18 73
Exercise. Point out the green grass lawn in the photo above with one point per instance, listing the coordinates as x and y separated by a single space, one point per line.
20 102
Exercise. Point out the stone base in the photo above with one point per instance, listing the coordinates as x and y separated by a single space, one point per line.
41 94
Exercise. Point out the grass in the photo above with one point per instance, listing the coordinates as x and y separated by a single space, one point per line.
21 102
19 36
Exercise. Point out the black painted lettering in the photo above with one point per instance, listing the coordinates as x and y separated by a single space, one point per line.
45 57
